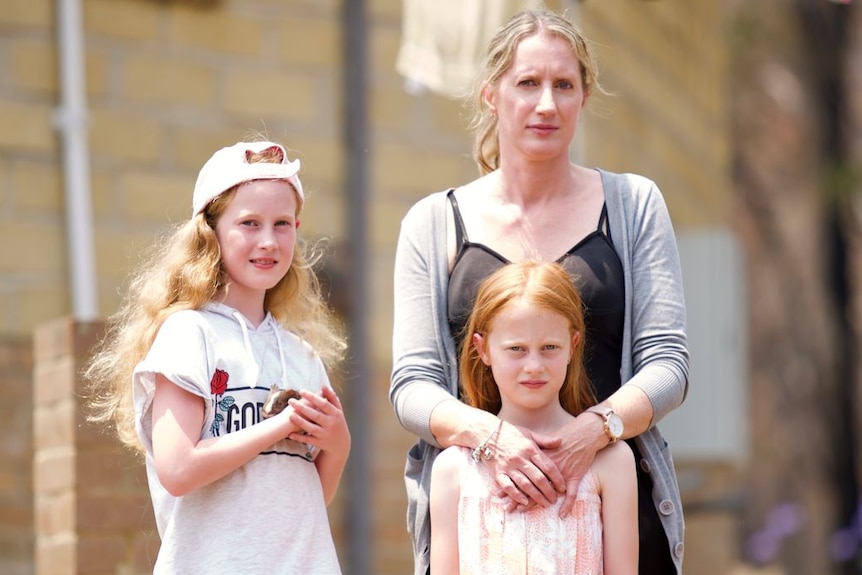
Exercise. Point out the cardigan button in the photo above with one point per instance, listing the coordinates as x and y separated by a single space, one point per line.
679 549
666 507
645 466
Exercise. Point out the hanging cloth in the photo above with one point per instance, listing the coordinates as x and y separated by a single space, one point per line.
442 41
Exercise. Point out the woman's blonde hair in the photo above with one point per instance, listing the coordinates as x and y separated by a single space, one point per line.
184 271
498 59
542 284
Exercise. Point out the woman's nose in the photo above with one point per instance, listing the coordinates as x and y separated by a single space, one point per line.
546 100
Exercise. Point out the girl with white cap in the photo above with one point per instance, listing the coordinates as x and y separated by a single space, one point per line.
227 308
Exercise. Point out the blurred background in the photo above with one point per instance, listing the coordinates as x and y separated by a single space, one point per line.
747 114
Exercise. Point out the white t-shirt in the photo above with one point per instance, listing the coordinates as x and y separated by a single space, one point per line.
269 516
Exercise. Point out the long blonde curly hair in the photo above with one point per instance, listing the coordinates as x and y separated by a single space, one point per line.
184 271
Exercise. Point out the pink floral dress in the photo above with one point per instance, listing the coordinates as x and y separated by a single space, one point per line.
536 542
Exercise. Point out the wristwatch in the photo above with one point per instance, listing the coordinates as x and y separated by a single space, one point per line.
613 422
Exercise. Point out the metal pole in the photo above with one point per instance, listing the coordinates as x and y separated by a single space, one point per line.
358 386
71 120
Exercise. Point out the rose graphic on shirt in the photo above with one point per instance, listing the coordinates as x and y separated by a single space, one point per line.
218 386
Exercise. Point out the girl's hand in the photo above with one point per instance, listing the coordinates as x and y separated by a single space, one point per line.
185 462
321 421
524 474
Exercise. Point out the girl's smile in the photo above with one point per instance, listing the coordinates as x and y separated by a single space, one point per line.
257 238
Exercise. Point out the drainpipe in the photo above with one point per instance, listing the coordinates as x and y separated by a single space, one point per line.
358 386
71 120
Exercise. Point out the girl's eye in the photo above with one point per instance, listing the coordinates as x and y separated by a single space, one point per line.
284 223
248 223
527 82
566 85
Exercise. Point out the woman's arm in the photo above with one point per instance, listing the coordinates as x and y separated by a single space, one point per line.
615 474
424 364
585 436
519 467
421 354
183 461
658 362
655 327
444 496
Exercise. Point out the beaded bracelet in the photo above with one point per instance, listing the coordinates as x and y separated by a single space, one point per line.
483 451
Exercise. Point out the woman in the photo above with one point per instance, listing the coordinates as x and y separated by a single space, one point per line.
613 235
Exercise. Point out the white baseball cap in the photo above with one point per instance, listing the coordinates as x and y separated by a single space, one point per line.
230 167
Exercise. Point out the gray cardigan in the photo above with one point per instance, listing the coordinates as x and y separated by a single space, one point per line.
655 353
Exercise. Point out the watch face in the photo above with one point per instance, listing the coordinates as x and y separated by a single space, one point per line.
615 425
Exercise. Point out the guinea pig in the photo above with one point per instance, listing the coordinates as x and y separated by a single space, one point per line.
277 400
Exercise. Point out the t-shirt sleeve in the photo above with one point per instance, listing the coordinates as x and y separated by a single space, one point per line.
181 354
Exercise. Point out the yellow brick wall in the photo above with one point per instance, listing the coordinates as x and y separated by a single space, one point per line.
665 65
169 82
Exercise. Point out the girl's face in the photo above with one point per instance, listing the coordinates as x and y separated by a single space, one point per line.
528 349
539 99
257 236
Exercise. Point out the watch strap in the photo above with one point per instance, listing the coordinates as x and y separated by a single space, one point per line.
605 414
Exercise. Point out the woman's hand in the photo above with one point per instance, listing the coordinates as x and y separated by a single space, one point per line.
524 474
581 440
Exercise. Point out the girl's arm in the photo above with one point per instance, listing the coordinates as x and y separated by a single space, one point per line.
321 418
615 473
444 496
183 461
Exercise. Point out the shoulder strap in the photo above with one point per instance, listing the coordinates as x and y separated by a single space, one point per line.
604 226
460 232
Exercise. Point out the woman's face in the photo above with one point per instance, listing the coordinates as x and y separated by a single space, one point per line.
538 100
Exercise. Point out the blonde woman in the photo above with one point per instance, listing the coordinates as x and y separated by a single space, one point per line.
611 232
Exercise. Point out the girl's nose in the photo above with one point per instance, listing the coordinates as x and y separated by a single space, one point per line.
534 363
266 239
